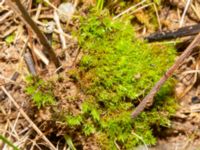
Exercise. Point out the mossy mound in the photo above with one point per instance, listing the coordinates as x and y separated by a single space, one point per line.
117 70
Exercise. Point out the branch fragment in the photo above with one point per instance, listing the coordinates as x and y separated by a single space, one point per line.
181 32
170 71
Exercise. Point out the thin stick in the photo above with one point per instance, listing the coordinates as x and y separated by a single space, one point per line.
28 119
129 9
55 30
2 2
184 12
4 17
43 40
9 86
62 38
168 74
181 32
30 64
39 9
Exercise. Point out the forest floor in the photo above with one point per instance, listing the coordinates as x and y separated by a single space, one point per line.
184 131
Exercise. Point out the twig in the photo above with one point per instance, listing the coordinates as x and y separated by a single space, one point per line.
129 9
5 16
168 74
191 84
13 128
184 12
50 4
9 86
29 62
39 8
8 32
41 55
2 2
62 38
181 32
28 119
61 32
43 40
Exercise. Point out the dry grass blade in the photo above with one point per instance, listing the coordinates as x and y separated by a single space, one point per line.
184 13
62 38
28 119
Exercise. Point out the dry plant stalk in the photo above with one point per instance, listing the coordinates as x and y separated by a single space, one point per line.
149 98
28 20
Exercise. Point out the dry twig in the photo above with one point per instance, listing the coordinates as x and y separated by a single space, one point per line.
184 13
9 86
62 38
170 71
180 32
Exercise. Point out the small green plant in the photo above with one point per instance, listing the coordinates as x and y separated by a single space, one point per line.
69 142
9 39
40 91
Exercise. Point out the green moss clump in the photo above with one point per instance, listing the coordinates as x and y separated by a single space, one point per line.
116 64
40 91
116 70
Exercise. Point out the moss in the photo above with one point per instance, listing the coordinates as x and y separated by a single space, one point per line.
40 91
10 38
116 70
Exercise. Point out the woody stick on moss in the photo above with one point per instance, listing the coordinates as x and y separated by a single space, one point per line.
163 79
